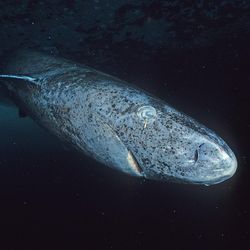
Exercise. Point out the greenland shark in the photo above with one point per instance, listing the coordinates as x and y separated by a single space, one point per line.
117 124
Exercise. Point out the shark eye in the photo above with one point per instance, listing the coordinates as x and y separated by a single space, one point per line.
147 114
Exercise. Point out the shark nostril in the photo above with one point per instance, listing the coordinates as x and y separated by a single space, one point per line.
196 155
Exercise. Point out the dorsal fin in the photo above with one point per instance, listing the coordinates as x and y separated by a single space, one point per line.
29 79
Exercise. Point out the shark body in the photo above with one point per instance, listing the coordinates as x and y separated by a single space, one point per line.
119 125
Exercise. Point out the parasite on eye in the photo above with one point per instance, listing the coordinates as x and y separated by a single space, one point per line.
147 114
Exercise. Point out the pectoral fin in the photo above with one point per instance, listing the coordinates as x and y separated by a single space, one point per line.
107 145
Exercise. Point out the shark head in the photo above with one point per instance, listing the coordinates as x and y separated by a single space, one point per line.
146 137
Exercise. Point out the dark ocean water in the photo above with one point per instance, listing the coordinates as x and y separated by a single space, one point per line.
54 198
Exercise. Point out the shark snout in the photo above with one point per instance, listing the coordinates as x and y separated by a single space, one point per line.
220 162
229 162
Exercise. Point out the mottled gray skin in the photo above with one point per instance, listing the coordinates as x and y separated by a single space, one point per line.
115 123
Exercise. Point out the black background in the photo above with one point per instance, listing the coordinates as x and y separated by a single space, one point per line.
54 198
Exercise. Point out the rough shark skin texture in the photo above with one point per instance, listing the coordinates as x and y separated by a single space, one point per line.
116 123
